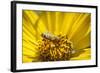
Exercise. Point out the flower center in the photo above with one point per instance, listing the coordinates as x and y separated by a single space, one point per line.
54 48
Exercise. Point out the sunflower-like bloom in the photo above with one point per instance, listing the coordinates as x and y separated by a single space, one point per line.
55 36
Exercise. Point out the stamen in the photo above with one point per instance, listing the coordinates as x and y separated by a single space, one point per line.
54 48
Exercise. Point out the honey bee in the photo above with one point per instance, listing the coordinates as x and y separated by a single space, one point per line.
50 36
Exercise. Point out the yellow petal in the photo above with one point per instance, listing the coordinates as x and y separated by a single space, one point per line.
41 26
68 21
83 43
53 21
29 33
30 26
27 59
80 27
58 22
29 44
30 16
29 49
80 33
85 55
43 18
29 52
48 18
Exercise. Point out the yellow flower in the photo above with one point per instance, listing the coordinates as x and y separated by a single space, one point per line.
76 26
